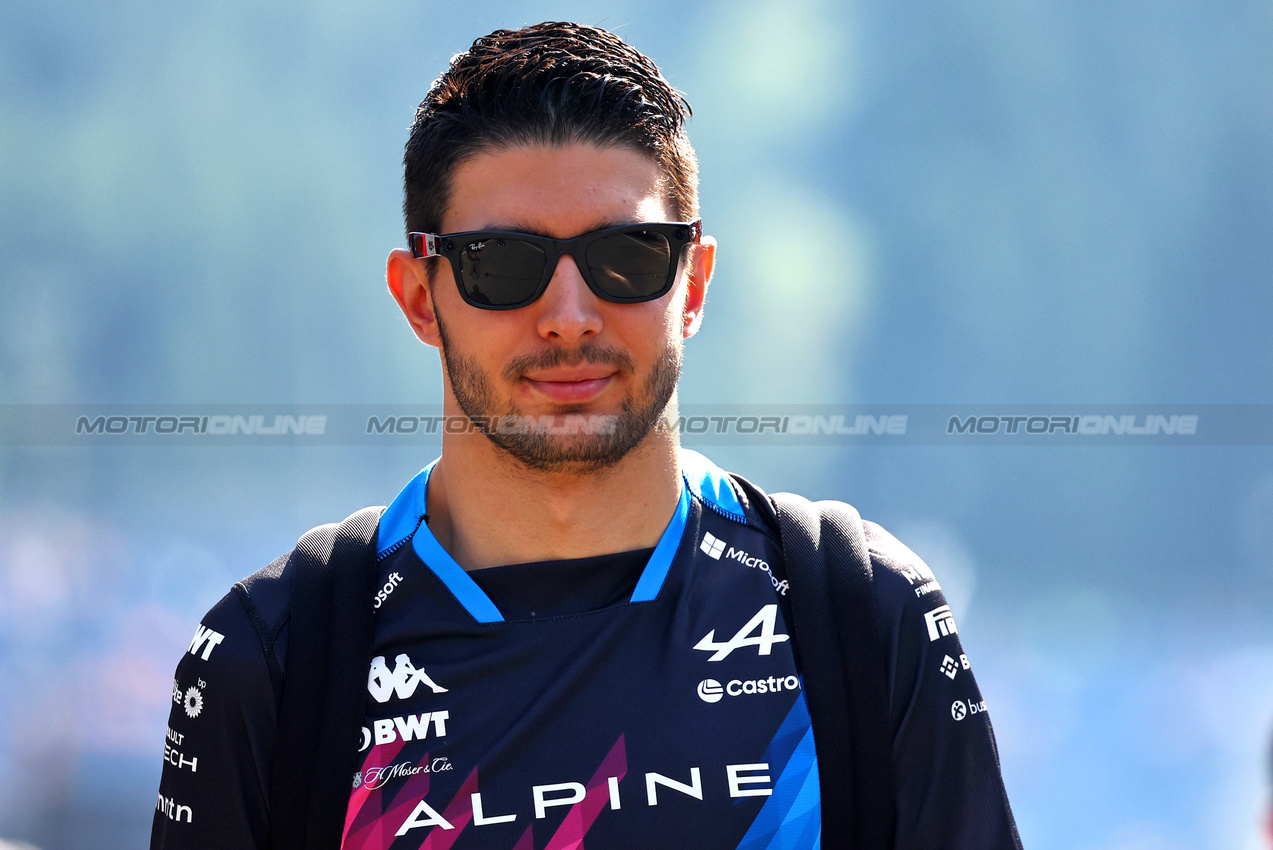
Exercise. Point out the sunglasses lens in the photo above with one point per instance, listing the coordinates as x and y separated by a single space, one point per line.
630 265
501 272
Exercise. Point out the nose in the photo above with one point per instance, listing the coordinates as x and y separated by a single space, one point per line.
568 310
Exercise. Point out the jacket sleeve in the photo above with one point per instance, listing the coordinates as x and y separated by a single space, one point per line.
214 790
950 792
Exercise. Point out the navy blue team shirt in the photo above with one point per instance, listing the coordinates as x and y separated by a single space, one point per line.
641 699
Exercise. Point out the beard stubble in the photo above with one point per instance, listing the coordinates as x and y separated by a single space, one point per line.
536 447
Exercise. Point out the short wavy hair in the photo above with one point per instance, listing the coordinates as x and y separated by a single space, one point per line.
550 84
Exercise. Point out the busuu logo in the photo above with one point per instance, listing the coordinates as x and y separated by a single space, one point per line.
765 620
402 680
960 709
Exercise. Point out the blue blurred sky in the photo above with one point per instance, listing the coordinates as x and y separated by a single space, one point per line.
962 203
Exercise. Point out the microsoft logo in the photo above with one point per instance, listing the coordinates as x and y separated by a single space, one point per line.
712 545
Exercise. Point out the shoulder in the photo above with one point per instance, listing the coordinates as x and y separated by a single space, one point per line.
901 579
896 568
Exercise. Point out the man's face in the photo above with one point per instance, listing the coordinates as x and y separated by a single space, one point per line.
583 379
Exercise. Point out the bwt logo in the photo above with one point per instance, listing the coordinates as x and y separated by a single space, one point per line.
205 639
712 545
940 623
413 727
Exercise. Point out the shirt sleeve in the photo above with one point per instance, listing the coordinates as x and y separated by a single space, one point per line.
950 791
214 790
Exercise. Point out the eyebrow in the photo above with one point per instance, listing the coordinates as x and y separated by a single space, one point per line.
522 227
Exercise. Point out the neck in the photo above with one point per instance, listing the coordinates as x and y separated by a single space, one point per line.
488 509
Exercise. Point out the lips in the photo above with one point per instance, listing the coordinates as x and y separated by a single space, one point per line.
571 387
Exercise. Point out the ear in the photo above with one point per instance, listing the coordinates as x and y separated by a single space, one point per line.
410 287
702 260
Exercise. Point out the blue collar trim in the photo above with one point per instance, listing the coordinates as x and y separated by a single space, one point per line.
710 483
401 521
656 569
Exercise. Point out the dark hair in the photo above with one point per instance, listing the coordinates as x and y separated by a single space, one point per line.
549 84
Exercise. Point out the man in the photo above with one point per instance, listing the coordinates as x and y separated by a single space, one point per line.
581 630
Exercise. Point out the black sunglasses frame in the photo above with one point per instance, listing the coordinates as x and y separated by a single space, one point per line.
451 245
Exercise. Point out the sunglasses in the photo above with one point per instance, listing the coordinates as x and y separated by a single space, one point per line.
498 270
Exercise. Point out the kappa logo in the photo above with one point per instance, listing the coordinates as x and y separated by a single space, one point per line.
766 620
402 680
712 545
940 623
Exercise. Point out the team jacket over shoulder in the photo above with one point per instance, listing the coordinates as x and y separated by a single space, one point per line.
645 699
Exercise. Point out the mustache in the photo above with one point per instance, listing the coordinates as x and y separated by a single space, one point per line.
588 352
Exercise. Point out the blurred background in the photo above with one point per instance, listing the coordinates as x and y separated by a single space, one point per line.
917 203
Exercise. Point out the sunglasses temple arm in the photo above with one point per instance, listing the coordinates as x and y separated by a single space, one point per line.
423 245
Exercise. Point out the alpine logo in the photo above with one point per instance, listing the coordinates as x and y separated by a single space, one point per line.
766 621
383 684
940 623
712 545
